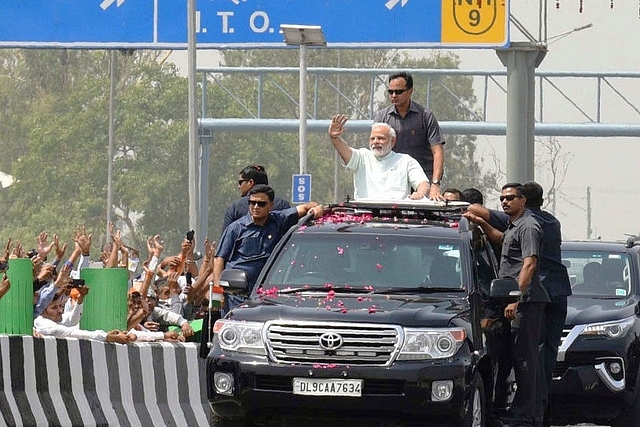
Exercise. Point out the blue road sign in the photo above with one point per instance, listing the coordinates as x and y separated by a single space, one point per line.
162 24
77 23
301 188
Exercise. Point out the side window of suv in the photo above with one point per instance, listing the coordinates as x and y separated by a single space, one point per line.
486 264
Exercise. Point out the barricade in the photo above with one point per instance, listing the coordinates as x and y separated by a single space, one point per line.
16 307
71 382
105 306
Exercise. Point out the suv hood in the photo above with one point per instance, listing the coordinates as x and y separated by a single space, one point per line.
582 309
435 311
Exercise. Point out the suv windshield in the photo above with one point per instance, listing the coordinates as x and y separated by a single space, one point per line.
602 274
378 261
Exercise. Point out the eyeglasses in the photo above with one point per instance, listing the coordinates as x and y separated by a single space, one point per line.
240 181
509 197
396 91
259 203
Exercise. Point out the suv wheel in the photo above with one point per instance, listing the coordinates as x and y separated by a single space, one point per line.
476 415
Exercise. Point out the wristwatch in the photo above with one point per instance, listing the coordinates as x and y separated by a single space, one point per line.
436 182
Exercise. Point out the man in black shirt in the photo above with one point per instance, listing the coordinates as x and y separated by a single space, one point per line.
247 178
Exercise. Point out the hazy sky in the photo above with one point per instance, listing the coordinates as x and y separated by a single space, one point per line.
609 166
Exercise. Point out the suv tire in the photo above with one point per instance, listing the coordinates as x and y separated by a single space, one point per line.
476 415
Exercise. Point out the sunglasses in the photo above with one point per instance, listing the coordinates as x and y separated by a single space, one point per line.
258 203
396 91
509 197
240 181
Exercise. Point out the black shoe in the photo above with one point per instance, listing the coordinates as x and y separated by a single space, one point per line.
515 420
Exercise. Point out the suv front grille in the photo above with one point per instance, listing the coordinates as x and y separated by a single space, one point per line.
360 344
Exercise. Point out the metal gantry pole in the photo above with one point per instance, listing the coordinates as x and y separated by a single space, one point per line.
193 124
112 112
521 60
303 109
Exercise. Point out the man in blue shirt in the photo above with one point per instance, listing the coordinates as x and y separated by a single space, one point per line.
247 242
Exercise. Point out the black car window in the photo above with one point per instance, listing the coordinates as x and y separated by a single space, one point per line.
605 274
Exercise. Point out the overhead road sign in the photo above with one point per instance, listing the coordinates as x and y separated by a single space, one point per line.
77 23
240 24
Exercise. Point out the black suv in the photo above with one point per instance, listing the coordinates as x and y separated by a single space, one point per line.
596 378
373 310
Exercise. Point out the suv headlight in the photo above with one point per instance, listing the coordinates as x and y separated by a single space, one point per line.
243 337
420 344
615 329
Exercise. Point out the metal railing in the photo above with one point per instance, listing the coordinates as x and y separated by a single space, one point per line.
579 103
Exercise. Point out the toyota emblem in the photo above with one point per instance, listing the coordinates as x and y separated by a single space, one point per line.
330 341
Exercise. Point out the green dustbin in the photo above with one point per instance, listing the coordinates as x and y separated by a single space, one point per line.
105 306
16 307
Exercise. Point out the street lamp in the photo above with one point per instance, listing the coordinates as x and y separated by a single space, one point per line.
555 38
303 36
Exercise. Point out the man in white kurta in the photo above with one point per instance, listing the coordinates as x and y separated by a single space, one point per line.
379 172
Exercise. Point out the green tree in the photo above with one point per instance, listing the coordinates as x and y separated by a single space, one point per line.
58 121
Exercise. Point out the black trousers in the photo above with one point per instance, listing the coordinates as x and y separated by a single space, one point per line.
553 319
526 330
498 339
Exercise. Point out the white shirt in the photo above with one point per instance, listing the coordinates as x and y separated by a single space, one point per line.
48 327
389 177
68 328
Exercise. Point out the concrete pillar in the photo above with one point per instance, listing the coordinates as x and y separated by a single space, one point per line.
521 60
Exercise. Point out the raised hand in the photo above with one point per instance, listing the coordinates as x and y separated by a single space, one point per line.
336 128
82 240
43 246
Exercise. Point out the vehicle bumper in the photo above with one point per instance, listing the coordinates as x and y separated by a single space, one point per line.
591 390
401 391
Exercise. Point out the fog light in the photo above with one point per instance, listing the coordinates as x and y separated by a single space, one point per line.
223 383
615 368
441 391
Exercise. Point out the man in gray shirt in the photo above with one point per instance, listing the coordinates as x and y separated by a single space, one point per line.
418 132
521 249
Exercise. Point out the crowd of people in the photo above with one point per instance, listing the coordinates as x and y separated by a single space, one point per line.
157 299
405 158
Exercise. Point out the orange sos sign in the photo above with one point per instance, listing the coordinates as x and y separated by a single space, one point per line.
475 22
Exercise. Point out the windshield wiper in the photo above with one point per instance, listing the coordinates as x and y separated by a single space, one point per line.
323 288
418 289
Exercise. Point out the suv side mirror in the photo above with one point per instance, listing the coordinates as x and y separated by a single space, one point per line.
504 291
234 281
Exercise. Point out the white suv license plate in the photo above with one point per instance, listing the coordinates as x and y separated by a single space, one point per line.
327 387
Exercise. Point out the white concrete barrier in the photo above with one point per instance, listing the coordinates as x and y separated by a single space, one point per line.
69 382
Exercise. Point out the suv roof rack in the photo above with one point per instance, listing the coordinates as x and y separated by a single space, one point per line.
632 241
405 209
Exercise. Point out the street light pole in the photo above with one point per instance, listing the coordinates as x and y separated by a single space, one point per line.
193 124
303 36
112 112
302 132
